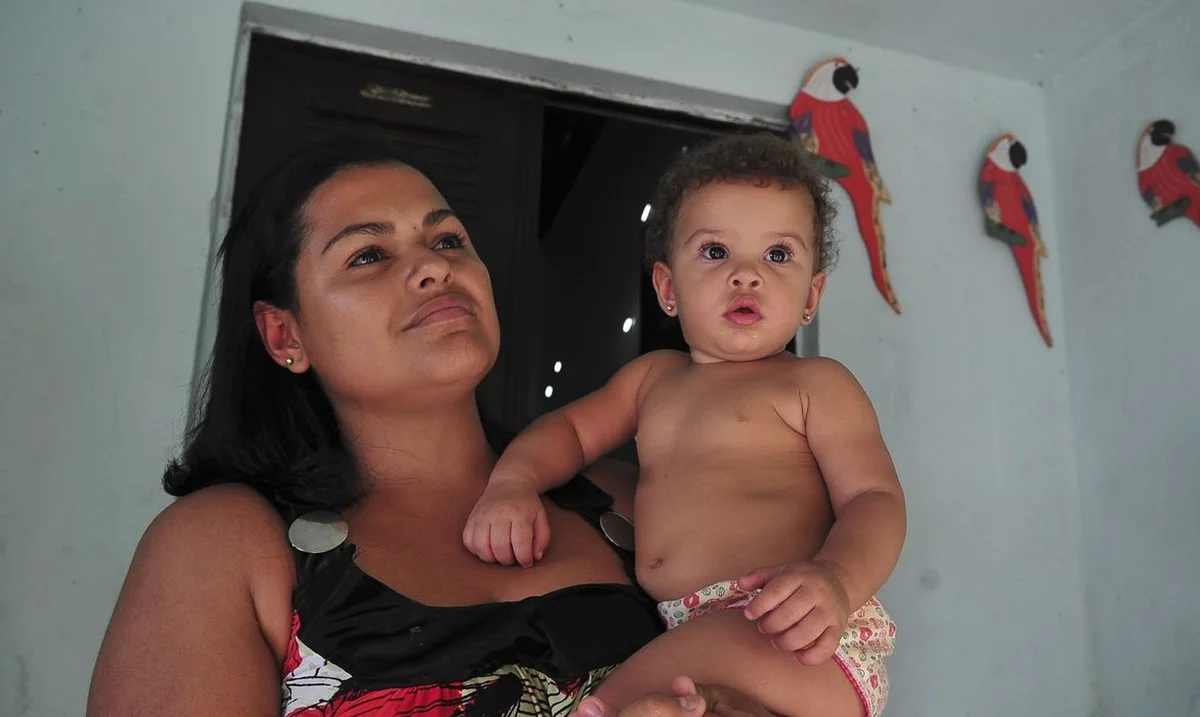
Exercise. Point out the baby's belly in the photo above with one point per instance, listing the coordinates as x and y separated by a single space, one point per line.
700 527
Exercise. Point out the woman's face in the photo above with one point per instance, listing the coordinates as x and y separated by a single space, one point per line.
393 302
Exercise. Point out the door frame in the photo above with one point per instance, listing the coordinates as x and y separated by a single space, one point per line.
423 50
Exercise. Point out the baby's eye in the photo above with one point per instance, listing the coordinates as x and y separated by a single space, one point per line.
370 255
715 252
778 255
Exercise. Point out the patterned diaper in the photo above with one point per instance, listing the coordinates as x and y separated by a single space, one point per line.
869 637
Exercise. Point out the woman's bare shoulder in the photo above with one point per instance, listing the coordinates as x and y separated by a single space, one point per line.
210 584
223 503
225 524
233 530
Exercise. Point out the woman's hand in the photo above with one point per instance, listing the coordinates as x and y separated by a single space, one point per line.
688 700
721 701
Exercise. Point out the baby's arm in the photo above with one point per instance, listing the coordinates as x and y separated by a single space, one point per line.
508 523
805 606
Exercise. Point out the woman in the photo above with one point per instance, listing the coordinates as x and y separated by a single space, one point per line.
356 321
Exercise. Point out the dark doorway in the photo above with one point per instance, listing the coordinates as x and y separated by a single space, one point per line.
550 185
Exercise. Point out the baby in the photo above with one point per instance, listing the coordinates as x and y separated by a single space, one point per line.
768 510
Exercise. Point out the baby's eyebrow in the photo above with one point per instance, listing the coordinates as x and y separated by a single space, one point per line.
698 232
790 235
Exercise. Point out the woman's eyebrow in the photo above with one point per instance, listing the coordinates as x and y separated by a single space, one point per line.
372 228
437 216
431 219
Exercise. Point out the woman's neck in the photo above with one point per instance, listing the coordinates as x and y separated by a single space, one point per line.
420 457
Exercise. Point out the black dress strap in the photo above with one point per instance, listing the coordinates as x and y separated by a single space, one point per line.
580 496
590 502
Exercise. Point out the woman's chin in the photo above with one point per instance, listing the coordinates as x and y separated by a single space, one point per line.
465 364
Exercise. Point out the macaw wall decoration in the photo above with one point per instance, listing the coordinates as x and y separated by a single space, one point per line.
1168 175
1009 215
828 125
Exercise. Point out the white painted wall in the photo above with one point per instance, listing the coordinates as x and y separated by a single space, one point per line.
1131 299
975 408
106 231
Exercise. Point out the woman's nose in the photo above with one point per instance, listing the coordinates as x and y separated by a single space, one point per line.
430 271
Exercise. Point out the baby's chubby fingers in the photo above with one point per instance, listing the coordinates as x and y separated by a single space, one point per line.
502 542
522 542
803 634
479 542
821 650
777 586
757 578
541 535
790 612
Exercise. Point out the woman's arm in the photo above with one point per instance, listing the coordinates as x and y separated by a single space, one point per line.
204 616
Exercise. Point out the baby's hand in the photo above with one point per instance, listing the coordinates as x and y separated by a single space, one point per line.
803 607
508 523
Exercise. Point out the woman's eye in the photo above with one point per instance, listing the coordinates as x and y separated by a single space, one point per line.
370 255
450 241
715 252
778 255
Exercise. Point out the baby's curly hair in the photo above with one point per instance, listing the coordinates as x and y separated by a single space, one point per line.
762 160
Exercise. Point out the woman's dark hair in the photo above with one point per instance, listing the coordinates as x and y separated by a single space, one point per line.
256 423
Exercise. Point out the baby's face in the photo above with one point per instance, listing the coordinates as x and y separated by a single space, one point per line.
741 270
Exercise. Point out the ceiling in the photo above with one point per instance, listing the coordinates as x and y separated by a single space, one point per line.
1030 40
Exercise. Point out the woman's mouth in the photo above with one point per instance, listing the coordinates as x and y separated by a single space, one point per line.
441 309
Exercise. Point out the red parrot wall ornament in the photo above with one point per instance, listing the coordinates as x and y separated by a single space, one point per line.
1010 216
828 125
1168 175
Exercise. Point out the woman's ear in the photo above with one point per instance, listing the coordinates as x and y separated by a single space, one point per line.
280 336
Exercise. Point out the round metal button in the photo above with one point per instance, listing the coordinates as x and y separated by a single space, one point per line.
617 529
317 532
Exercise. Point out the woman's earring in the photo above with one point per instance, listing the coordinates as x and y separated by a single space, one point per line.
290 361
807 317
670 307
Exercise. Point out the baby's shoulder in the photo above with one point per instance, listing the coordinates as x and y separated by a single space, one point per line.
664 359
818 385
657 365
824 375
820 366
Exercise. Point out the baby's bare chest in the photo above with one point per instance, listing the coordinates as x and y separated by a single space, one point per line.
695 415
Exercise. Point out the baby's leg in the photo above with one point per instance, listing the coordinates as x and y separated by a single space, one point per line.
726 649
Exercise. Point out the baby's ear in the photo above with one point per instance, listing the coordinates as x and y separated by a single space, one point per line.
816 289
664 287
